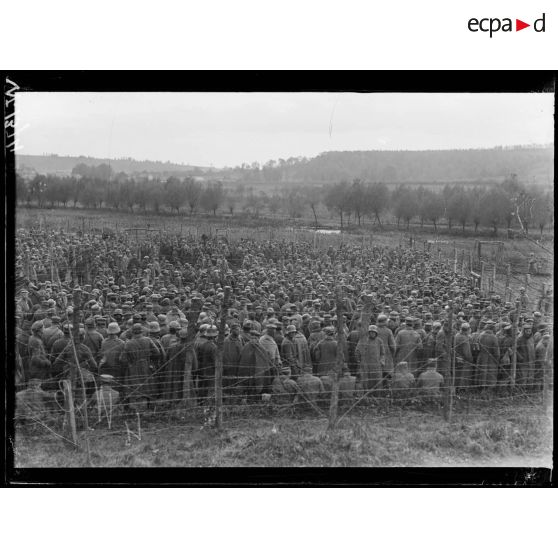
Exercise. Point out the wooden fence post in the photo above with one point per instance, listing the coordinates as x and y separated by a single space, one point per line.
482 277
219 361
494 277
508 291
69 417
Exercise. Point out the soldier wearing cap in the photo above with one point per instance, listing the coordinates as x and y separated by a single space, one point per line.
488 359
253 367
57 347
274 363
93 339
232 349
52 333
39 364
101 325
463 357
407 344
66 361
180 369
205 373
136 356
111 351
526 358
505 345
401 382
386 335
543 362
370 355
284 388
156 364
429 382
171 338
325 353
288 351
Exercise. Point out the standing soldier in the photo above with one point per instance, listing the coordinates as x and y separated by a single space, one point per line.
352 341
232 348
170 338
463 357
325 355
52 333
85 360
386 335
288 351
93 339
136 355
407 343
181 364
526 358
443 356
39 364
22 343
268 344
370 355
156 363
111 351
489 357
206 365
505 345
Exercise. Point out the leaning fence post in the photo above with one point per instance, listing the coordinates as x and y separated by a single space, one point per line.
69 417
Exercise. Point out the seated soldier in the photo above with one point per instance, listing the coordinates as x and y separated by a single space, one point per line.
402 382
310 386
430 381
33 402
283 387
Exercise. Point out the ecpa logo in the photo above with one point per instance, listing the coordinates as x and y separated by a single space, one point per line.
494 24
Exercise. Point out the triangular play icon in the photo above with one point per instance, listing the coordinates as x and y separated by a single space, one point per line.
519 25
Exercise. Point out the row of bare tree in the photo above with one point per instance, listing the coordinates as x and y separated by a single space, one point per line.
506 205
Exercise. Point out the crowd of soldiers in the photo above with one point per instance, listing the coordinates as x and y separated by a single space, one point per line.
138 321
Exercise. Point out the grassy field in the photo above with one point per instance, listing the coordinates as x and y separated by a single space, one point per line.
508 435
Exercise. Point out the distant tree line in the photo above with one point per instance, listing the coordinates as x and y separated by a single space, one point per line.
404 166
506 205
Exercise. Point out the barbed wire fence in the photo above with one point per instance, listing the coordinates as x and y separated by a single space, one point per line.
229 401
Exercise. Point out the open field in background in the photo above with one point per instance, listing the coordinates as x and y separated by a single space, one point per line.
506 435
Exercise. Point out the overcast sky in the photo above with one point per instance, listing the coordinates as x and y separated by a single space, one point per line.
231 128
